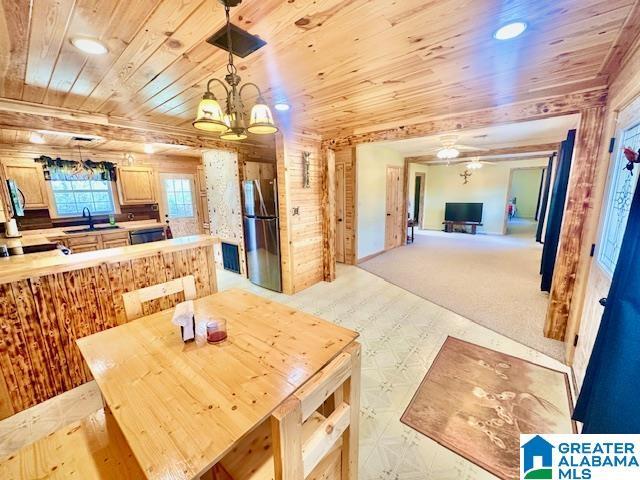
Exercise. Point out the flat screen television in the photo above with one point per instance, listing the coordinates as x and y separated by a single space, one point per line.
463 212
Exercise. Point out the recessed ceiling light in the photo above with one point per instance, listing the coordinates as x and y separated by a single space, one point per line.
510 30
89 45
282 107
36 138
148 148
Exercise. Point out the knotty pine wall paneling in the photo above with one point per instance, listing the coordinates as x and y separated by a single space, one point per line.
301 210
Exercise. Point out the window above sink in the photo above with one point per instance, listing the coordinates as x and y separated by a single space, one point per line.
71 196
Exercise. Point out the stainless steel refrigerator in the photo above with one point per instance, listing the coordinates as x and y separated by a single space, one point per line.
262 233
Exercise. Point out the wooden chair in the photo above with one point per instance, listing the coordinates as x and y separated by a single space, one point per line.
92 448
133 300
299 442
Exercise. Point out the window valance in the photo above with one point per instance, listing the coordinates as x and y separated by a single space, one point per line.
60 169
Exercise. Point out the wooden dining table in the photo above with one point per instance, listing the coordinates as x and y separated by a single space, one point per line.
182 406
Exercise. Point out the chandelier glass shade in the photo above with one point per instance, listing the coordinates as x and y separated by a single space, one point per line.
447 153
230 122
210 117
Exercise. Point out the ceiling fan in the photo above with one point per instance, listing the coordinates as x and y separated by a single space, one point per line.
475 163
450 149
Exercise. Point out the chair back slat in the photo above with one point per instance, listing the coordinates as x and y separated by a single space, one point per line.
133 300
324 437
313 393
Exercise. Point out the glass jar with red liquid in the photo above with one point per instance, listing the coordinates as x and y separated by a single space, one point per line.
216 331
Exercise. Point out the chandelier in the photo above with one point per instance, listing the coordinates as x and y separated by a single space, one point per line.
231 124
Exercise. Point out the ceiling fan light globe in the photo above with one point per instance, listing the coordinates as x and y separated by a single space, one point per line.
447 153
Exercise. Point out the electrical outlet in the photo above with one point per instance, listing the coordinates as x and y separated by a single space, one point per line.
295 211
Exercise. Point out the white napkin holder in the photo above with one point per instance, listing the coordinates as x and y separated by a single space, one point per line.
184 317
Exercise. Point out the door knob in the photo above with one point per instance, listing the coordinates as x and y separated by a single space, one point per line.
339 219
603 301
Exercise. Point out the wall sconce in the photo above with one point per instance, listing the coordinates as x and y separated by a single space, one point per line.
306 164
129 158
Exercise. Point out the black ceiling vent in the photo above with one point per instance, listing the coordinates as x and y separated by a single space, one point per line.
243 42
82 139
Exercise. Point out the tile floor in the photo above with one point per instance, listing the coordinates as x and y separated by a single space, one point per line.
400 334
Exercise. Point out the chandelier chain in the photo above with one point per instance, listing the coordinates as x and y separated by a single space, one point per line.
231 68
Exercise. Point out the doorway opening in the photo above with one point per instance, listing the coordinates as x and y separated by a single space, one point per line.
523 201
418 199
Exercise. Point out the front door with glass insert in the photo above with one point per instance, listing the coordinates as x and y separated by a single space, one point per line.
613 221
178 201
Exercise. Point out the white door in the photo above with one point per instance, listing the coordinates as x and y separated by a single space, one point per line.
613 222
179 203
340 213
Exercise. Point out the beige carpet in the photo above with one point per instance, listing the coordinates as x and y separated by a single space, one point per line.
491 279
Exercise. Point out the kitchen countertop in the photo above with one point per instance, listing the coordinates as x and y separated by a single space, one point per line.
51 235
26 266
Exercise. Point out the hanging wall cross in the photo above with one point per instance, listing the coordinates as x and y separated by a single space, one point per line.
466 174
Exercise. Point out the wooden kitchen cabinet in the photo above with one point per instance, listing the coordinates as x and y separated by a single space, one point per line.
136 185
115 239
95 241
83 243
29 177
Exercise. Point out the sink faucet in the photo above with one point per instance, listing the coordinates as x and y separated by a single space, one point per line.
87 213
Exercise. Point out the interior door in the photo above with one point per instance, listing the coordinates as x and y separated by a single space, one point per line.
613 220
394 225
340 210
179 203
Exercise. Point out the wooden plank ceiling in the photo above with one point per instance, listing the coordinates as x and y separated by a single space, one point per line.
343 65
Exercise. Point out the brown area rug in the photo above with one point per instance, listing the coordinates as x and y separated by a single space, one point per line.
476 402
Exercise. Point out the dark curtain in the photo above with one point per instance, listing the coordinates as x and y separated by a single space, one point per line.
539 201
545 198
609 401
556 212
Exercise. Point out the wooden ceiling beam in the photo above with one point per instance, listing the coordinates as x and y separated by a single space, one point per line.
536 109
19 115
494 152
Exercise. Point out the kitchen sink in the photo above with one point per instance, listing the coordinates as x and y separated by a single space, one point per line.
94 229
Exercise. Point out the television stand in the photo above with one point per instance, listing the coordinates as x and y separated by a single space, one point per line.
449 224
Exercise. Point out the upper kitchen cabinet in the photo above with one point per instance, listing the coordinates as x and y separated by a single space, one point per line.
136 185
29 178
